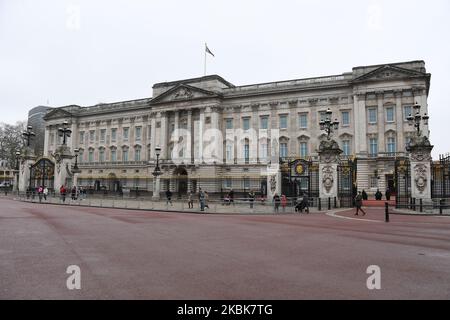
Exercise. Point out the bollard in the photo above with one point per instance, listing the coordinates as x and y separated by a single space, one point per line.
329 203
335 203
386 212
440 205
420 205
319 205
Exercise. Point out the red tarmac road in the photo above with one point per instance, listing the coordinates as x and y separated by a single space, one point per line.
127 254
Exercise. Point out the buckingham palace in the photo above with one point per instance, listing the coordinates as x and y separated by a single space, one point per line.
211 134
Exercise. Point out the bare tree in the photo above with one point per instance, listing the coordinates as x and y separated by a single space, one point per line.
11 140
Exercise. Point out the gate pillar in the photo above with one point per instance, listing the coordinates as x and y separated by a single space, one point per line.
329 152
63 162
420 164
273 181
24 171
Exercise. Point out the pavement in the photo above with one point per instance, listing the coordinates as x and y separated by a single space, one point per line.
131 254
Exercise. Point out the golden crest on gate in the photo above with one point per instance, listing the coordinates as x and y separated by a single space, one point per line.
299 168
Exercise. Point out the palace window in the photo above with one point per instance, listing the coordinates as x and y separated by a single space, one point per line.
246 151
283 150
81 137
283 121
125 155
346 147
372 113
125 133
91 155
113 155
264 150
373 146
229 124
391 148
113 135
246 123
138 133
264 122
91 136
390 114
345 118
102 155
303 121
102 135
229 152
137 154
303 149
407 110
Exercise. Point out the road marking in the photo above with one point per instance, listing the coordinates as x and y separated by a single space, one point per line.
332 214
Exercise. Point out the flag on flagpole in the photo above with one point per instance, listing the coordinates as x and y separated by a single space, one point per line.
208 51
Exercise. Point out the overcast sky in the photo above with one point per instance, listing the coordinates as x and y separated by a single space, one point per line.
86 52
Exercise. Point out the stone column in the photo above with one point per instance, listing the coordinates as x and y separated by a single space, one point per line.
62 167
201 128
163 135
381 118
273 180
190 139
156 188
400 139
153 142
24 170
420 164
328 162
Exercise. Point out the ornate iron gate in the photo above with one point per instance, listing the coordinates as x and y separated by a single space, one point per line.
440 177
346 183
42 173
402 181
300 177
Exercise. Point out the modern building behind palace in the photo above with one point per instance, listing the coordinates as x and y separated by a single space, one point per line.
256 125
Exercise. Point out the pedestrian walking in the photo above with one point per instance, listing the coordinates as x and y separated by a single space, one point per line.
388 194
62 192
364 195
358 203
276 202
206 199
40 193
283 202
201 199
45 193
169 197
74 193
305 203
191 200
231 196
251 198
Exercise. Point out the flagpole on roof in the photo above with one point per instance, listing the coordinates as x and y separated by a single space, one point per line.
205 61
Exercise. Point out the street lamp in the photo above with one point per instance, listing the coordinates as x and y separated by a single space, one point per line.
28 135
417 118
64 132
157 171
328 125
75 167
17 169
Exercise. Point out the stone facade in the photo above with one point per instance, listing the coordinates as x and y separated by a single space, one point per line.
219 136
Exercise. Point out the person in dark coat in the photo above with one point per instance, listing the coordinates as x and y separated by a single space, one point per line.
388 194
276 201
378 195
358 204
364 195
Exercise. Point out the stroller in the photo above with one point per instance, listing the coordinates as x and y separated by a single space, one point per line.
302 203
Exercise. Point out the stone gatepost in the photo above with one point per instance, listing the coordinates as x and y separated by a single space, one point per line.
420 164
28 159
329 152
273 180
156 188
63 161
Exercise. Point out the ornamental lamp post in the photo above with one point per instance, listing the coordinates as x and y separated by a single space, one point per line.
75 167
28 135
328 125
64 132
417 118
156 173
